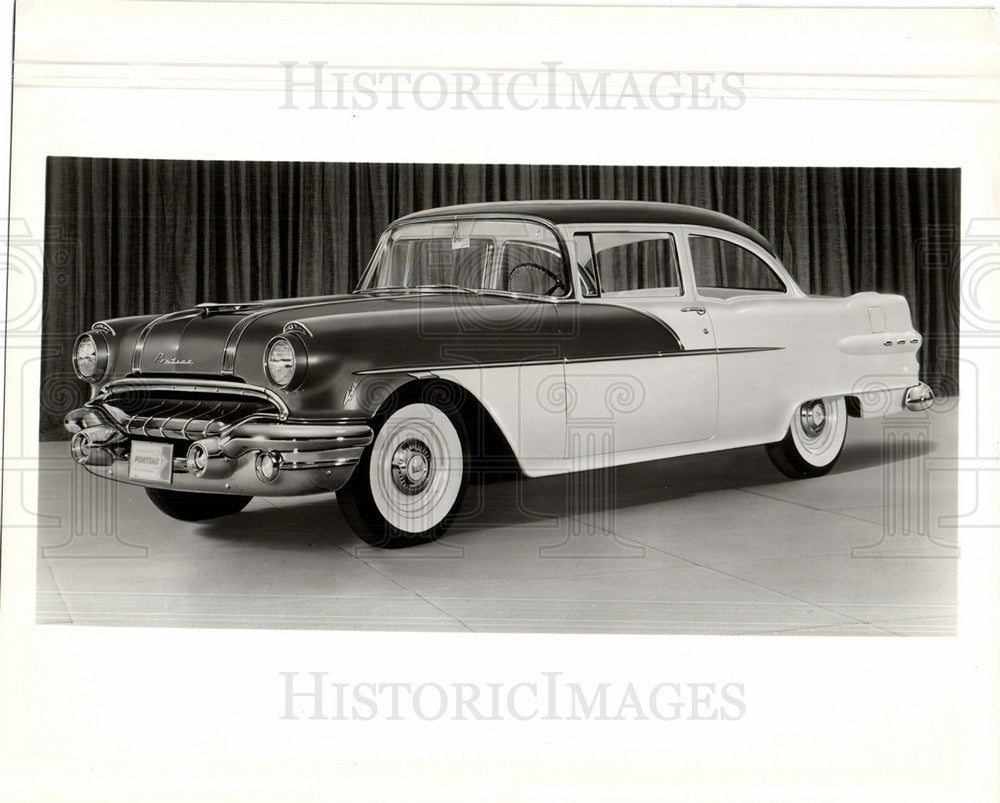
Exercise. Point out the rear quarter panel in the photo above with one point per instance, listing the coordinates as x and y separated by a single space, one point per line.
863 346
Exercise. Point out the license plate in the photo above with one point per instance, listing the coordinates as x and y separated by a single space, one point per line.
151 462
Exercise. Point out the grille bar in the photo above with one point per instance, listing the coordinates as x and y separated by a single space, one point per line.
181 412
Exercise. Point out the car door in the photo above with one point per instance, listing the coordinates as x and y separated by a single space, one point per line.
641 364
758 313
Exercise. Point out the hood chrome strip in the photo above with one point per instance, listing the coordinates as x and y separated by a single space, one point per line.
140 343
236 334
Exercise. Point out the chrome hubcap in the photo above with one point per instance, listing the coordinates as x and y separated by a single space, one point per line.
411 466
813 417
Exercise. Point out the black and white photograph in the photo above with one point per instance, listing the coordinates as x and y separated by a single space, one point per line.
500 402
620 411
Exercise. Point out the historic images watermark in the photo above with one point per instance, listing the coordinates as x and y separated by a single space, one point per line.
911 469
317 85
85 523
550 696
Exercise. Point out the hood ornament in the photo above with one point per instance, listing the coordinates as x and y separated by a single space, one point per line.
210 307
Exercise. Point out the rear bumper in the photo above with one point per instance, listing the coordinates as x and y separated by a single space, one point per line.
257 457
919 397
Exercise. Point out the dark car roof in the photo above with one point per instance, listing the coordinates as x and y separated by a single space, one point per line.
587 212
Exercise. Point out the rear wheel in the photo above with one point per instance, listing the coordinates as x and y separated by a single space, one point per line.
187 506
815 439
411 480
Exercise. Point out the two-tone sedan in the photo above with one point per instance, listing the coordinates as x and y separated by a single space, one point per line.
570 335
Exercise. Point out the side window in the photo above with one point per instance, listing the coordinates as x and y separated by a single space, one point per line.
533 268
634 261
585 264
730 269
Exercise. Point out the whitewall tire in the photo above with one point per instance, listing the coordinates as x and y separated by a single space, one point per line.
411 479
815 438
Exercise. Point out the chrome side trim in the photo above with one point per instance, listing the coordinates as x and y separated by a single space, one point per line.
749 349
430 369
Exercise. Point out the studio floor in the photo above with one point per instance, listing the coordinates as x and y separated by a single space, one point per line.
712 544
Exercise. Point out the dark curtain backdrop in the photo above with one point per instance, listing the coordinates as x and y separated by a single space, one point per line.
127 237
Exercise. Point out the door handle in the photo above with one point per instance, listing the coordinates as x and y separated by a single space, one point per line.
699 310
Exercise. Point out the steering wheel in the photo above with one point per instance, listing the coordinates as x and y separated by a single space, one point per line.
557 282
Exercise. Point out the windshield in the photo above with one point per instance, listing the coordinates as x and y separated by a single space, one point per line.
516 256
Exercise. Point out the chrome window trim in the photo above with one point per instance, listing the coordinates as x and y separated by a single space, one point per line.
792 290
676 233
558 232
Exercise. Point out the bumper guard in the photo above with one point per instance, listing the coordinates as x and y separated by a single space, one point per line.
919 397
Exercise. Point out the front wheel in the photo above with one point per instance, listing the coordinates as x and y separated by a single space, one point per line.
187 506
411 480
814 441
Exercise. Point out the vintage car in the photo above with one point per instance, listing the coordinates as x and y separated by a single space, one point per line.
568 335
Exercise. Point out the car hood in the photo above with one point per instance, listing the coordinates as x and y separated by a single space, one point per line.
207 339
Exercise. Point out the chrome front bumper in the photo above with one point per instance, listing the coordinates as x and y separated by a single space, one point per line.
256 457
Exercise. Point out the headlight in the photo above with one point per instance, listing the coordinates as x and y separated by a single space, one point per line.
285 361
90 357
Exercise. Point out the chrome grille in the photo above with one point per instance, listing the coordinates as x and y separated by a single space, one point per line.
186 412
